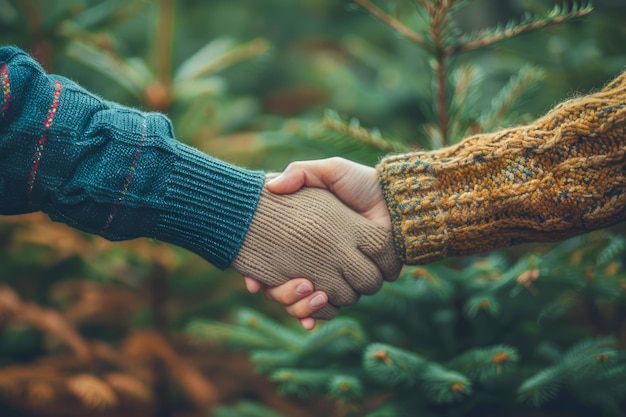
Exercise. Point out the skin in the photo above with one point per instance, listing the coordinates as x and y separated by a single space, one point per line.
357 187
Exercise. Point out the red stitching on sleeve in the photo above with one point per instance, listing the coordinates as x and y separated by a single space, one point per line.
42 141
129 177
6 88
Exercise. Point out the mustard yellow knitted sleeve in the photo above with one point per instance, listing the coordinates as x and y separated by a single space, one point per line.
563 175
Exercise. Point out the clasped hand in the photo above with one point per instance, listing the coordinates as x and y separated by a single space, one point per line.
314 294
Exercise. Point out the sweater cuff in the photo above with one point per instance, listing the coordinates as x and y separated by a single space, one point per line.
420 235
209 205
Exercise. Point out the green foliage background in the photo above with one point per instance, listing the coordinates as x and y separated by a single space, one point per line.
250 81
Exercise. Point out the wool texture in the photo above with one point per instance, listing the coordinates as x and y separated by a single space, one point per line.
113 170
312 234
560 176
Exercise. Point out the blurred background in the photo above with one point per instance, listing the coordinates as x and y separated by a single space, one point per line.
140 328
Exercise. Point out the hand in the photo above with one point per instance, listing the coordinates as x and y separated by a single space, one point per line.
354 184
311 233
297 295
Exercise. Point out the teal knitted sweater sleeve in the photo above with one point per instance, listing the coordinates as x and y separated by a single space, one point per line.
113 170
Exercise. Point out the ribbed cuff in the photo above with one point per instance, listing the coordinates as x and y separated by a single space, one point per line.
420 235
210 205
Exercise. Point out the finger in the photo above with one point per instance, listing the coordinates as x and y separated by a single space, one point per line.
286 183
339 291
290 292
252 285
378 246
326 313
308 323
307 306
363 275
319 174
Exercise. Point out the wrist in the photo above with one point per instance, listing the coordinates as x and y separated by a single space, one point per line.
209 205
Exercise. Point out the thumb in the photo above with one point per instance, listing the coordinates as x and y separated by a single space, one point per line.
318 174
287 182
322 173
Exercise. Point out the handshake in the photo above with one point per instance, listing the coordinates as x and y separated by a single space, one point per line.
323 232
335 232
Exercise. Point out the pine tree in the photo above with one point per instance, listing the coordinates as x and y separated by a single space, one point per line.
92 328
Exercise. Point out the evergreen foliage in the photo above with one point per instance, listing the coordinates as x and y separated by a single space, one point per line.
93 328
495 336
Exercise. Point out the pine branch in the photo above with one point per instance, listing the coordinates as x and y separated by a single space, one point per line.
526 263
504 101
129 386
439 20
132 75
335 337
302 382
558 308
590 355
442 106
345 388
614 248
154 348
417 283
394 23
463 101
445 385
391 365
353 129
483 364
592 358
235 335
218 55
46 320
541 387
93 392
483 302
286 338
272 360
488 37
109 12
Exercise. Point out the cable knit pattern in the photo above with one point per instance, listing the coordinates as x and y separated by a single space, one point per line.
558 177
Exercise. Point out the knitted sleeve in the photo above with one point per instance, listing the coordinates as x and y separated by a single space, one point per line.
112 170
560 176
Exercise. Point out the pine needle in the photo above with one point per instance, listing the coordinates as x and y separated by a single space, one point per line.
613 249
335 337
353 130
541 387
391 365
509 96
394 23
345 388
557 15
483 364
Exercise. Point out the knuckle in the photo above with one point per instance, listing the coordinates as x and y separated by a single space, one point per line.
335 160
293 166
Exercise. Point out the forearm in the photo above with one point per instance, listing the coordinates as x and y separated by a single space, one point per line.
113 170
559 177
